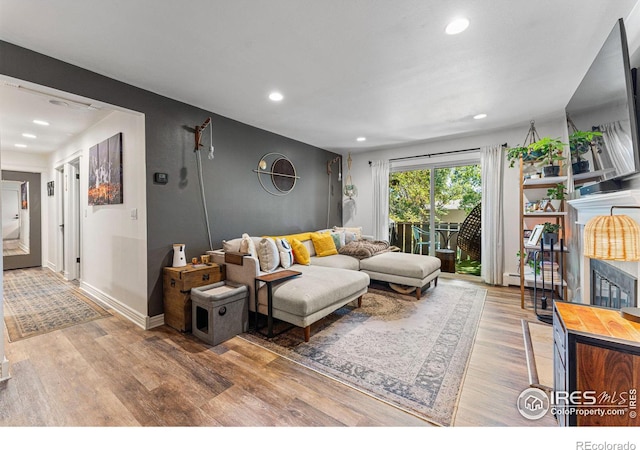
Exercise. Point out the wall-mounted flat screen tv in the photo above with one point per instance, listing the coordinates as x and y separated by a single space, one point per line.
605 102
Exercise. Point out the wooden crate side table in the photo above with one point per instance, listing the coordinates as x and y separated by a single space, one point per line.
176 289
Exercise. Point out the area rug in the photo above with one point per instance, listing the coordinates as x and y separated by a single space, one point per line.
410 353
37 301
538 345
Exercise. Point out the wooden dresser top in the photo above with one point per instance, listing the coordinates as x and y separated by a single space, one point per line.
598 321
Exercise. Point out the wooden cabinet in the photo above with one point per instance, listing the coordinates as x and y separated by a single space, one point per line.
597 365
176 289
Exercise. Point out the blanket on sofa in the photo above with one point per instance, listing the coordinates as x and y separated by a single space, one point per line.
362 248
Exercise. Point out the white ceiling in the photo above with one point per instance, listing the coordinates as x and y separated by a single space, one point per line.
22 103
382 69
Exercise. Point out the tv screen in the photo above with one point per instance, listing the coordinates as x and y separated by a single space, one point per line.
604 102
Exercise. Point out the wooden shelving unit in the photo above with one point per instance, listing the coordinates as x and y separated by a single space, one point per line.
532 190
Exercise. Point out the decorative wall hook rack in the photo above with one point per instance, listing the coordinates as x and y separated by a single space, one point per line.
199 130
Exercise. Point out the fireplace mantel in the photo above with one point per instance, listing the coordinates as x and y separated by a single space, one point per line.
600 205
583 209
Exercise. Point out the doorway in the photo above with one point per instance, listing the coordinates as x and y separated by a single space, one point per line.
70 229
428 207
21 234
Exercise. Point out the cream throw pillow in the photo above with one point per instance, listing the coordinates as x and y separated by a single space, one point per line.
248 246
356 230
268 255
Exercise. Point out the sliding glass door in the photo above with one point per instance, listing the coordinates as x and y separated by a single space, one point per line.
427 208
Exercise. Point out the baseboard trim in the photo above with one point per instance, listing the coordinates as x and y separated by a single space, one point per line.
4 370
155 321
110 302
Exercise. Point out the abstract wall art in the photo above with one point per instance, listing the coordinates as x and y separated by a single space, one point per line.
105 172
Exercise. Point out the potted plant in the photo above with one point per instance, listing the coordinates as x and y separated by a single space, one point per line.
550 151
550 233
580 143
556 194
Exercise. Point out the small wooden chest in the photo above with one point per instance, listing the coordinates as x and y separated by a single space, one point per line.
176 288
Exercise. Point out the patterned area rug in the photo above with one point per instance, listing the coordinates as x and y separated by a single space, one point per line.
410 353
37 301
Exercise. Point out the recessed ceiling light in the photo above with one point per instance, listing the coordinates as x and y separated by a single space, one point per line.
29 135
41 122
21 145
480 116
457 26
361 139
275 96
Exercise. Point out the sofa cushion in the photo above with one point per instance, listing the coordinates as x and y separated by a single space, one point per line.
268 255
317 288
290 237
232 245
286 254
401 264
323 244
300 252
336 261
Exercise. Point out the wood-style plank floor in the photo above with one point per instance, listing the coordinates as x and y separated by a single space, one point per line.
109 372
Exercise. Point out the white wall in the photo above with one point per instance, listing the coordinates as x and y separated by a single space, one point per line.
113 251
361 176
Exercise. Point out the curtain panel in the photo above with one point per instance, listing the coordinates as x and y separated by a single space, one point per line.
380 183
492 247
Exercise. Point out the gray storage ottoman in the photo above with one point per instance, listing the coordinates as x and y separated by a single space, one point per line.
219 311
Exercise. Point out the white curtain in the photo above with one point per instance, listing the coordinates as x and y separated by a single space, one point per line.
615 137
380 182
492 165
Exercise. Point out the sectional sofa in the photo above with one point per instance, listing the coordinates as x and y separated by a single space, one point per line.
330 276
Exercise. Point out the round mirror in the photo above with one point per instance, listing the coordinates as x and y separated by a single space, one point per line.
283 175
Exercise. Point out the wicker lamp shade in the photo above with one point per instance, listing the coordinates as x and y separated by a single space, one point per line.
612 237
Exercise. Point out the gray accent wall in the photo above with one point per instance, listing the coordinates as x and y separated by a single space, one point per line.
236 201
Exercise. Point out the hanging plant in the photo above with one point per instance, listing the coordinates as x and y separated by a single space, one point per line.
551 153
515 153
524 152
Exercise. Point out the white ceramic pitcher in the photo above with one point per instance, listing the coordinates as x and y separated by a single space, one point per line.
179 260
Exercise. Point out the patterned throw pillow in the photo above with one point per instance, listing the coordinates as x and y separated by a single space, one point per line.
268 255
300 253
349 236
286 254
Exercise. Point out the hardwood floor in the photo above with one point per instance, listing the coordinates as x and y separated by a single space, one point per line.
109 372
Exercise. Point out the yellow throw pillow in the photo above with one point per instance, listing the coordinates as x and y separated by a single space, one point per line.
300 252
323 244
